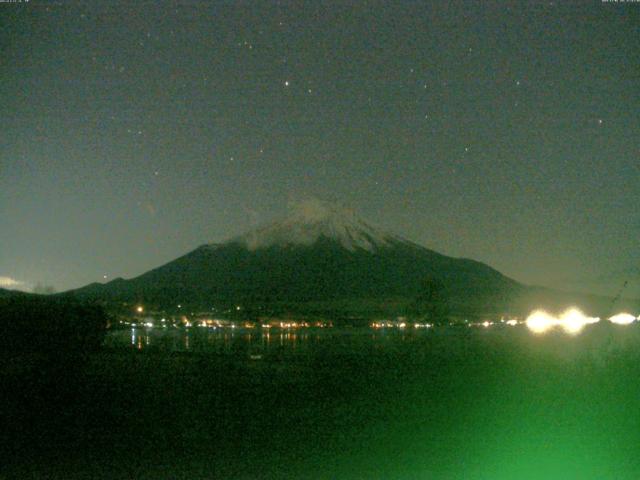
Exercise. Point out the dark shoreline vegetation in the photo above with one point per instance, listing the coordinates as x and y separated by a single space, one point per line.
449 403
63 327
430 301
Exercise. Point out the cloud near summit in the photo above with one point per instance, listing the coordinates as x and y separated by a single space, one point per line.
8 282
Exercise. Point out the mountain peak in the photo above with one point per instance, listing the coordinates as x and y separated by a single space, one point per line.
312 219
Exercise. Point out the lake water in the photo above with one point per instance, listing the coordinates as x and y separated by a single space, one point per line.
290 342
445 403
597 342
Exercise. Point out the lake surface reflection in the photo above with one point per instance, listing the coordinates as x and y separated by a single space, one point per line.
228 341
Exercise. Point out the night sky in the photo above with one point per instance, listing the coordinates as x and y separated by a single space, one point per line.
504 132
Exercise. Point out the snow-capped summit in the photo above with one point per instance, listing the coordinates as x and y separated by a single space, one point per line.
314 219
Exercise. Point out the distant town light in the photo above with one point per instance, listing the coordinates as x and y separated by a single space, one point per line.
139 309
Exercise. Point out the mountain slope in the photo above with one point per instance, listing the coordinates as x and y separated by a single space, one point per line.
320 255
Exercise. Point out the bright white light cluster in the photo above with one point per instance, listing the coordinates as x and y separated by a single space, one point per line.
572 321
540 321
622 319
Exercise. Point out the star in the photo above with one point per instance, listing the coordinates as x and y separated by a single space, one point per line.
599 121
286 83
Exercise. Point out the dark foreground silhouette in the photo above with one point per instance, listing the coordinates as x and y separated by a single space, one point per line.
44 347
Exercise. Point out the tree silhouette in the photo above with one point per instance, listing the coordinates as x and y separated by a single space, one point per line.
431 304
